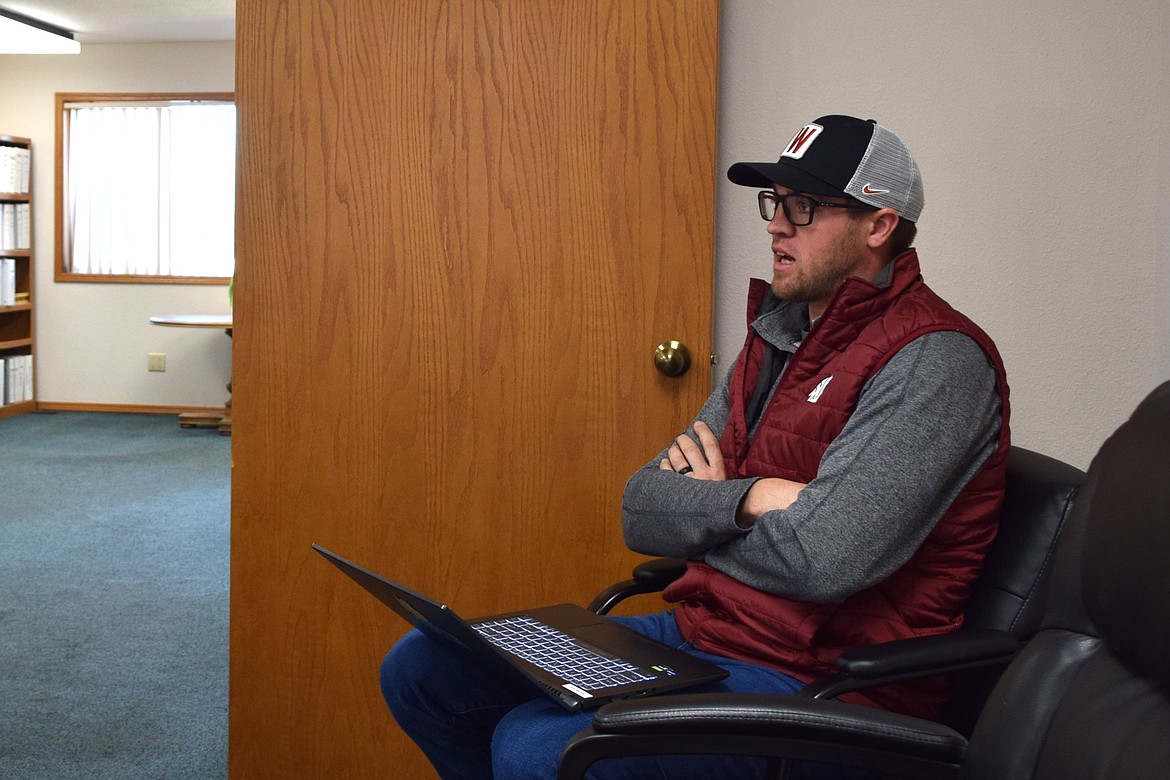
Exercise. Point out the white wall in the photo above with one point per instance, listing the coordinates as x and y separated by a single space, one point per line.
1043 132
92 339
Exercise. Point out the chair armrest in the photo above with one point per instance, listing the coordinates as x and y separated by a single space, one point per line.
660 572
904 659
767 725
649 577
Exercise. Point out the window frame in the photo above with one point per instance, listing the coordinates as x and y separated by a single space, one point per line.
60 273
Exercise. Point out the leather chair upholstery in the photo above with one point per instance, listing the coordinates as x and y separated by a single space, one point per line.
1088 696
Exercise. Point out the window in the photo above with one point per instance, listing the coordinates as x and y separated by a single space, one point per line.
146 188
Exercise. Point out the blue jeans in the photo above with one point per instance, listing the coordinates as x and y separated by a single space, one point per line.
473 726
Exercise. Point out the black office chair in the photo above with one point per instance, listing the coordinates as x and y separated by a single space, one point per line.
1004 610
1088 696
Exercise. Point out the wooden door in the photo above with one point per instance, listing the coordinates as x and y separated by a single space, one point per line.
463 228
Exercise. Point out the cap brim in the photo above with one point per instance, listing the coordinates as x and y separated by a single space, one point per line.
765 174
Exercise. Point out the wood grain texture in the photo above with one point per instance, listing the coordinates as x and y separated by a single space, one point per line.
463 227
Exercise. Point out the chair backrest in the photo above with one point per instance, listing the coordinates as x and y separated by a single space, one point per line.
1009 594
1089 695
1038 496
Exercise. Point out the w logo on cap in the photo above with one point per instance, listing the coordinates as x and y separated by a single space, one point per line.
802 141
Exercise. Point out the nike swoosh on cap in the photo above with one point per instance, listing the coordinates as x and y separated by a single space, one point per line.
869 189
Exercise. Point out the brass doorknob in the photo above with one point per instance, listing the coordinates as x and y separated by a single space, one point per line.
672 358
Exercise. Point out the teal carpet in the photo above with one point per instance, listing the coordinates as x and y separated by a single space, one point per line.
113 597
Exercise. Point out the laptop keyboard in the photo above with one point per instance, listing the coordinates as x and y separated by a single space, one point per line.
558 653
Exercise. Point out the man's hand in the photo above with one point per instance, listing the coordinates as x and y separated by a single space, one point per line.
704 460
766 495
699 460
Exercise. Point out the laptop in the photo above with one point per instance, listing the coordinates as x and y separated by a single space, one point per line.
578 659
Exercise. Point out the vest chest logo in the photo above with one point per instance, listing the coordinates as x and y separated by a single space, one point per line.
819 390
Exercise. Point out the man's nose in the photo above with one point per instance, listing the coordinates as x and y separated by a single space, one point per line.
779 224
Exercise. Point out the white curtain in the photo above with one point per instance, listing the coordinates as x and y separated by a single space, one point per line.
151 190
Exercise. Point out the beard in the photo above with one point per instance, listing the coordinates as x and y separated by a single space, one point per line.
818 278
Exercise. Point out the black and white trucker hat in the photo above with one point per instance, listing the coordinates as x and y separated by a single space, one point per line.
845 157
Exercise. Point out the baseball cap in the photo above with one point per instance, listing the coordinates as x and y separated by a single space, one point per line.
845 157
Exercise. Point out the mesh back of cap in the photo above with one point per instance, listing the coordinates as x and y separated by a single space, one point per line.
888 165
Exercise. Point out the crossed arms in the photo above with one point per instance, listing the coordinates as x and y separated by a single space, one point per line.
923 426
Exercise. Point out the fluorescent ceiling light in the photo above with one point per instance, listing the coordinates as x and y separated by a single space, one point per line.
22 35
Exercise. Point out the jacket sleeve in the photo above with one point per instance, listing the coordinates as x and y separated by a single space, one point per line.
924 425
665 513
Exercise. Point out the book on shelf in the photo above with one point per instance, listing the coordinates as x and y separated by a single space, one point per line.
15 225
14 169
16 379
8 281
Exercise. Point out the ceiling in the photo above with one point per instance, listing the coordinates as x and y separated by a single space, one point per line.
134 21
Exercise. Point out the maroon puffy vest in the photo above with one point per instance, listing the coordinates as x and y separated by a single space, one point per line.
863 327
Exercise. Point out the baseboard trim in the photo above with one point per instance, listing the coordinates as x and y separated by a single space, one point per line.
57 406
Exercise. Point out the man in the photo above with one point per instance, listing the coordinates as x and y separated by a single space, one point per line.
840 487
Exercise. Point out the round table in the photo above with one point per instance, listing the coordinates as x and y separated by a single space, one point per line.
221 420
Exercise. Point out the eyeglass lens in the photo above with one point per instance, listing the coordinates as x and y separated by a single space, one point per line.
798 209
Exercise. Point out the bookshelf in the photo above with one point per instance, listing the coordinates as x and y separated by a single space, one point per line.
16 277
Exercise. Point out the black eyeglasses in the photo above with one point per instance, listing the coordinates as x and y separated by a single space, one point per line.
798 209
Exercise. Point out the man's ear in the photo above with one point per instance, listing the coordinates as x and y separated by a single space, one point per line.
881 227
